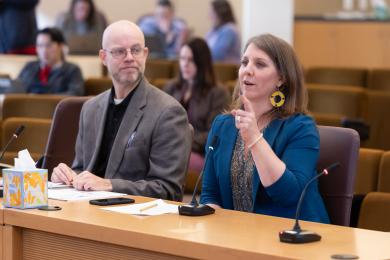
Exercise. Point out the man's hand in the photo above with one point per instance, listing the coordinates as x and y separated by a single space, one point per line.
89 181
63 174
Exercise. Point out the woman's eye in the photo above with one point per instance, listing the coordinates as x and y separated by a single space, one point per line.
260 64
244 62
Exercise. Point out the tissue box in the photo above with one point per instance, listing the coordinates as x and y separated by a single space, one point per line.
25 188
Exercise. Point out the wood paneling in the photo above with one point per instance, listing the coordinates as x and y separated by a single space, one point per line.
342 44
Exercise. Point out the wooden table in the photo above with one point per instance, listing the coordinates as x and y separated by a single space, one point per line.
83 231
1 229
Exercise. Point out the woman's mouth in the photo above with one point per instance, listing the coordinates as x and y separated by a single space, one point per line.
247 83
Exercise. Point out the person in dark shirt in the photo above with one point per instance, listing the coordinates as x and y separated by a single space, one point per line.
196 89
51 73
134 138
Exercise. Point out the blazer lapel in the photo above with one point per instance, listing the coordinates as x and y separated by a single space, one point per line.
99 125
130 121
229 140
270 135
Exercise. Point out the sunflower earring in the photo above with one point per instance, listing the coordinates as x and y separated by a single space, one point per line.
277 98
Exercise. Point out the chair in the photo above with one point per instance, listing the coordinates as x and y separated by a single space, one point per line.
160 83
368 170
195 166
375 212
379 79
33 106
327 119
225 72
337 76
158 69
95 86
366 179
344 101
338 145
375 106
33 138
384 173
62 137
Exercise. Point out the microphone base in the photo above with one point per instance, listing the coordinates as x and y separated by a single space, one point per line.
298 237
193 211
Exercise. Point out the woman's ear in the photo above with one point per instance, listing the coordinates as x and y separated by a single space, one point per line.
280 82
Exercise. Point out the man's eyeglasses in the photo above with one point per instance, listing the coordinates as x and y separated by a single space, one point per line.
121 53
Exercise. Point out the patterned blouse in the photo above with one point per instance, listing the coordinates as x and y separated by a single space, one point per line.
241 177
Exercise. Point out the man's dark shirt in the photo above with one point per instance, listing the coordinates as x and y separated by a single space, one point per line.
114 119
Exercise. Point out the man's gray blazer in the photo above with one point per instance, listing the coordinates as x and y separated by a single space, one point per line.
150 153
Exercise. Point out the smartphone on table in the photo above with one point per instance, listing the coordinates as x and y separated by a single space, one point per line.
111 201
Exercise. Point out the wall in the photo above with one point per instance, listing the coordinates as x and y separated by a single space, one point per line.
195 12
268 16
260 15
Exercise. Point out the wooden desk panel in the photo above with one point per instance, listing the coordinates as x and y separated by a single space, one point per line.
342 44
1 229
81 229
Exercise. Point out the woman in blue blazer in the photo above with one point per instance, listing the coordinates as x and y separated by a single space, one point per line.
267 148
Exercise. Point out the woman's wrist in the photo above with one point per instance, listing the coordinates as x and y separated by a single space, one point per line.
256 141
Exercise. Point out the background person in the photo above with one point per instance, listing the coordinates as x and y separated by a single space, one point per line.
196 89
83 27
51 73
171 31
223 38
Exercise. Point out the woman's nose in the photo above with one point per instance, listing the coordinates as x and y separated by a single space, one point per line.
248 69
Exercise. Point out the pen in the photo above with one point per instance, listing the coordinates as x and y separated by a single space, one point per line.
148 207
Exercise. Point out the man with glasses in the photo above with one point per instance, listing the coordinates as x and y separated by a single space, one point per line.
133 138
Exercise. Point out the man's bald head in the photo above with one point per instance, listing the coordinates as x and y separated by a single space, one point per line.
122 28
124 54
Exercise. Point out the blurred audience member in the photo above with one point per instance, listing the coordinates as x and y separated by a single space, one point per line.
18 26
165 30
223 39
197 91
83 27
51 74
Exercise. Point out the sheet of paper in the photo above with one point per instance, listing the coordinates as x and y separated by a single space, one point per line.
152 208
73 194
55 185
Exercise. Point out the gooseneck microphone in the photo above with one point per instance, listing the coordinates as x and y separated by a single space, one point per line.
15 135
194 208
297 235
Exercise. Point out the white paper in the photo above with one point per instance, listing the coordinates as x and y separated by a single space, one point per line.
57 185
73 194
24 161
156 207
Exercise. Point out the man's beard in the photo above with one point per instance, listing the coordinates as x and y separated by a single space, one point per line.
125 79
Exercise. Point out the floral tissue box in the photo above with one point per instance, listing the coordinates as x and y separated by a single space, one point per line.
25 189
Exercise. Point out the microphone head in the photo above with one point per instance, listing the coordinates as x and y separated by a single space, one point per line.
19 130
331 167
